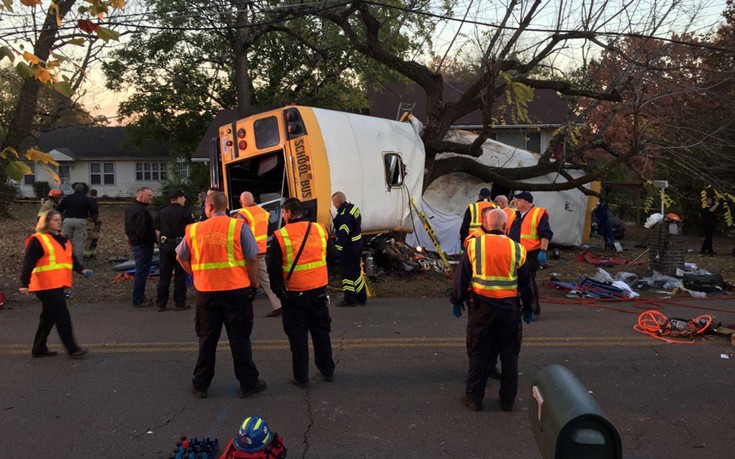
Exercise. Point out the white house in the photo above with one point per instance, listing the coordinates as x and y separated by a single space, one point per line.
102 158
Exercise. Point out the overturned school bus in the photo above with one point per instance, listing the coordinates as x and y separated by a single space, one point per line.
310 153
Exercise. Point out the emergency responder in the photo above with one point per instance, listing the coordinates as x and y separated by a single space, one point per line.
347 223
297 267
47 271
221 254
531 228
472 216
76 208
170 222
142 238
93 231
494 266
257 219
54 197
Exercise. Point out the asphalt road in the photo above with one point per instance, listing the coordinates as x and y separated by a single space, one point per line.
400 372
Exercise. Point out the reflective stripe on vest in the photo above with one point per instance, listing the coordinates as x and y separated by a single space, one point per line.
217 259
473 234
529 229
311 270
495 260
511 213
257 219
476 209
53 269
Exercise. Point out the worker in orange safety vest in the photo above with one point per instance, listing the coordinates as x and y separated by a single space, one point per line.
257 219
473 215
297 267
531 228
494 266
222 255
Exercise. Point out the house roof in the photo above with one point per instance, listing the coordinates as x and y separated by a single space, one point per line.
96 142
221 118
547 107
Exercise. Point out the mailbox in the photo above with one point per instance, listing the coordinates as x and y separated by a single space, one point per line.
566 421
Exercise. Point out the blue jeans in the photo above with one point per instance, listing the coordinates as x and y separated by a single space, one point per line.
143 257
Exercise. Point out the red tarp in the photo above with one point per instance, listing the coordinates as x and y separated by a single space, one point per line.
587 257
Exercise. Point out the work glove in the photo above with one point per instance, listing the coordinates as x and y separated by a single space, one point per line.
252 293
88 273
457 310
541 257
528 317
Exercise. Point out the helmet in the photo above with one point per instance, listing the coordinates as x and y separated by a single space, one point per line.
673 218
55 193
253 435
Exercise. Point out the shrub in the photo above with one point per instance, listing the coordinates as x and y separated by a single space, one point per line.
41 189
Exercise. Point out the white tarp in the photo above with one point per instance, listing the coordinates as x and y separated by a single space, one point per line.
447 198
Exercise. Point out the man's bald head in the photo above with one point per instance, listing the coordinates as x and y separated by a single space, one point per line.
338 199
247 199
494 219
501 201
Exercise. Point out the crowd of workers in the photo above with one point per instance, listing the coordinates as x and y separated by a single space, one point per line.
229 258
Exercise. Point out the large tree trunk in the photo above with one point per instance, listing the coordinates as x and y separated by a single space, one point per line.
21 132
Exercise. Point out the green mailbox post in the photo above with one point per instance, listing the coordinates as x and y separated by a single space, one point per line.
566 421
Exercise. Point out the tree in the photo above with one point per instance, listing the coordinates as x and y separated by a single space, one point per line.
522 49
197 57
51 30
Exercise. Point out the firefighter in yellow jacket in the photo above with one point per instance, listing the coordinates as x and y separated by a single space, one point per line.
222 256
47 270
494 266
297 267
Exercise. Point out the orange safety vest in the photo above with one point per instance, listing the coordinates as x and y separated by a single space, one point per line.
495 260
476 209
257 219
217 260
529 228
473 234
311 269
53 269
511 213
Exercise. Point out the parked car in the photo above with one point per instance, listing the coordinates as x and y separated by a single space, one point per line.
617 224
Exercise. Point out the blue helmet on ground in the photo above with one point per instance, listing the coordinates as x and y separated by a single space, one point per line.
253 436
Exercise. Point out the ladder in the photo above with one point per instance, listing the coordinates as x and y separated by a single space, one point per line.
432 235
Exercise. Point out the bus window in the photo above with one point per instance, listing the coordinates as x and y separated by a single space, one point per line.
266 132
393 170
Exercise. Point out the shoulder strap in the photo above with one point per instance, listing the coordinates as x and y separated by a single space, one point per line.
301 249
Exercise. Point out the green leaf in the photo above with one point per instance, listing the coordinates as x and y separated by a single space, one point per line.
17 169
25 70
106 34
76 41
8 5
6 52
64 87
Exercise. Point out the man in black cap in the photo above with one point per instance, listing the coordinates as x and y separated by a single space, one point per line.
530 227
171 223
473 215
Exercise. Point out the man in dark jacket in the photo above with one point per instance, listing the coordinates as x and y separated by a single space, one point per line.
171 223
142 238
75 209
347 224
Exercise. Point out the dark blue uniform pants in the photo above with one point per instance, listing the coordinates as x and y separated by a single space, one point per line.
489 326
167 266
304 313
54 312
233 309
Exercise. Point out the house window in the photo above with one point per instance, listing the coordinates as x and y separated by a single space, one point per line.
30 179
393 169
151 171
102 173
182 169
65 174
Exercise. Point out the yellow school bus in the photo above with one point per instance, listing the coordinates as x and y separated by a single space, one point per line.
310 153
